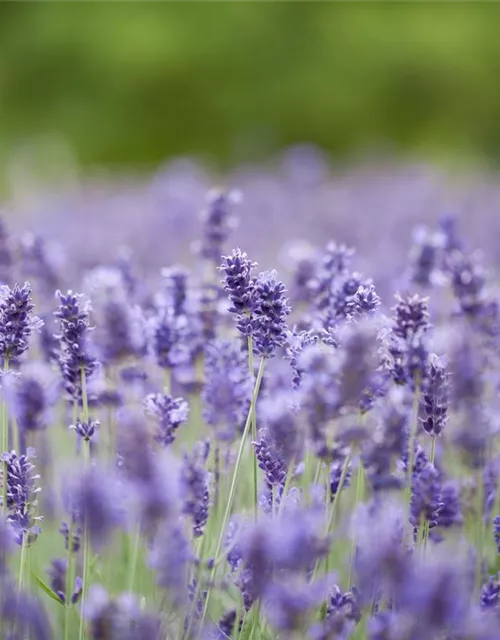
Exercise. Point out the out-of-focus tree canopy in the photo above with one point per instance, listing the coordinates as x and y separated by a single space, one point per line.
132 83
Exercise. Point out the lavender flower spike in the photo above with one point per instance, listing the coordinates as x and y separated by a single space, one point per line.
16 321
271 311
169 412
239 285
435 397
74 356
22 495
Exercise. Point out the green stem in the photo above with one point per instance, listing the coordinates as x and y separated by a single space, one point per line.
480 528
135 557
199 569
336 499
360 478
232 490
4 440
22 562
85 404
167 383
288 480
69 581
254 433
424 529
433 450
86 549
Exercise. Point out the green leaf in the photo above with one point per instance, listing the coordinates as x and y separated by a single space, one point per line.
47 589
246 629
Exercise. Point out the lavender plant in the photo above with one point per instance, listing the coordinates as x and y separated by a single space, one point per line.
319 468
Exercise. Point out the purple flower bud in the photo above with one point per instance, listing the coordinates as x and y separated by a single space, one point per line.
74 356
85 430
425 499
170 556
122 617
95 496
194 483
228 388
270 312
120 326
41 261
22 495
175 283
16 321
272 463
31 396
166 338
490 593
238 282
217 223
57 574
169 412
411 316
435 401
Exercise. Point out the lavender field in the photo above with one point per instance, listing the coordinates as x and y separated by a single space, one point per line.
262 410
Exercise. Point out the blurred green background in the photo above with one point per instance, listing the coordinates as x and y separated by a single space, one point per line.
127 85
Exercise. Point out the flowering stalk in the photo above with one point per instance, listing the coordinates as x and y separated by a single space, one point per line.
480 528
425 527
254 431
232 489
69 580
86 462
412 440
336 498
360 482
5 440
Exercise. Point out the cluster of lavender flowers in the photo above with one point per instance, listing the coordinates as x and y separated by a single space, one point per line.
203 454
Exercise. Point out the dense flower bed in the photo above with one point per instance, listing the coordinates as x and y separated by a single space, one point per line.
205 452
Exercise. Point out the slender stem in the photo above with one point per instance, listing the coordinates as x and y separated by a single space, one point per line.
86 549
22 562
69 581
135 557
318 472
360 477
85 404
4 440
254 432
480 528
17 438
412 440
433 450
167 382
232 490
201 559
288 480
336 498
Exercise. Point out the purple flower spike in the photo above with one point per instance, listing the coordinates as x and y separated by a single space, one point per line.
270 312
16 321
22 495
85 430
169 412
228 388
74 356
435 401
217 223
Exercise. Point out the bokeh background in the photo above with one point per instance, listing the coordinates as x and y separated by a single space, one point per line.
127 85
352 121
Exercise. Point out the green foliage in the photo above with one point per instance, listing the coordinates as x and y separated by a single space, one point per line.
134 83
